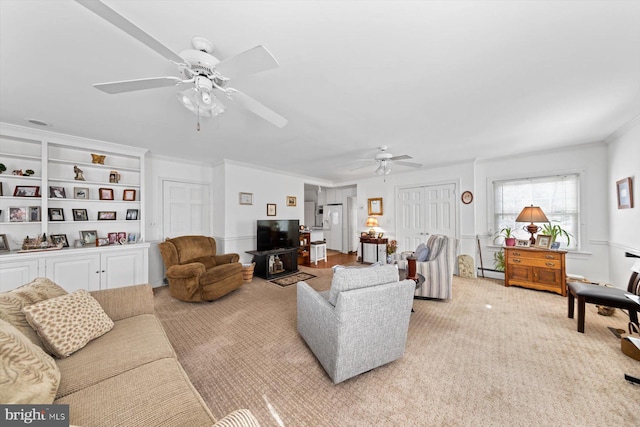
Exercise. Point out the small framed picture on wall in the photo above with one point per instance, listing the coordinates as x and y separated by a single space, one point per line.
271 209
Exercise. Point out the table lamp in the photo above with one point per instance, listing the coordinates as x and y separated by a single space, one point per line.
372 222
532 214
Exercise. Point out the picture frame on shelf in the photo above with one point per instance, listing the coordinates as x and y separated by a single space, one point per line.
1 189
4 243
624 191
57 192
106 193
80 193
107 215
113 238
58 239
56 214
129 195
80 215
132 238
291 200
26 191
271 209
34 214
89 236
102 241
114 177
543 241
122 237
246 198
132 215
375 206
18 214
523 243
380 235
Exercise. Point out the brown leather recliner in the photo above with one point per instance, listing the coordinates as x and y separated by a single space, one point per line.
195 272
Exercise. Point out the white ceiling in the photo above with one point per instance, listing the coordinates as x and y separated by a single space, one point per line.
442 81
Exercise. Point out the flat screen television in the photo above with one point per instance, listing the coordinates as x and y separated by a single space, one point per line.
278 234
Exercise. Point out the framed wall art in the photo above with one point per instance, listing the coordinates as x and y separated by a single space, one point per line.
375 206
291 200
246 198
271 209
624 191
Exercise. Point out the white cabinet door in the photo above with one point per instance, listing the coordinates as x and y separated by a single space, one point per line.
17 273
73 272
123 268
370 255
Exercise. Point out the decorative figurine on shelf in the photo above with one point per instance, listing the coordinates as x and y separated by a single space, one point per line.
17 172
2 167
29 172
114 177
98 159
78 172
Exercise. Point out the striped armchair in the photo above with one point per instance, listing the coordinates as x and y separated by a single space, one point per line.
438 269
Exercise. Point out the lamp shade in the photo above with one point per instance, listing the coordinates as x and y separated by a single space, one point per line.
532 214
372 222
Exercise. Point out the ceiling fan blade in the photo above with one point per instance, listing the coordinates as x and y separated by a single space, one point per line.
248 62
110 15
401 157
140 84
360 167
410 164
257 108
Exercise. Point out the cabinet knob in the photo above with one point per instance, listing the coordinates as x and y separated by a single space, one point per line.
517 253
550 264
516 260
97 271
548 256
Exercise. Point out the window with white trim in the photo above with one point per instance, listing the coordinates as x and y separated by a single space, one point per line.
557 196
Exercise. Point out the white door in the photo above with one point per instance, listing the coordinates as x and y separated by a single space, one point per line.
425 210
335 227
185 209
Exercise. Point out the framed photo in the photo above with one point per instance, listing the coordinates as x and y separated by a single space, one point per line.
271 209
17 214
89 236
34 214
80 215
106 193
80 193
375 206
543 241
291 200
246 198
132 214
625 193
4 243
56 214
106 216
122 237
1 189
132 238
523 243
60 239
57 192
129 195
113 238
102 241
26 191
114 177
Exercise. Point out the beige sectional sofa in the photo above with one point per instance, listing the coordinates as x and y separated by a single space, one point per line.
129 376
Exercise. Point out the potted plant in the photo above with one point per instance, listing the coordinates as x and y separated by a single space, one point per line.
556 231
2 167
498 260
507 234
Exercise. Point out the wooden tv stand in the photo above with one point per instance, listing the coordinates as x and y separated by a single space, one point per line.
265 261
534 268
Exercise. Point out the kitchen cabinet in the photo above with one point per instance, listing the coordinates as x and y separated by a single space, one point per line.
535 268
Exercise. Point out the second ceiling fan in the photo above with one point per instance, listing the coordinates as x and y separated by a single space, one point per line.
205 75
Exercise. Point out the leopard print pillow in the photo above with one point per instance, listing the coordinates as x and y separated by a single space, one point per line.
67 323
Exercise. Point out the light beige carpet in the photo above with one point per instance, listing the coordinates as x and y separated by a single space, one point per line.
493 356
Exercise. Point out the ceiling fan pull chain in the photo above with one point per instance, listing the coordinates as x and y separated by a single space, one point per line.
198 124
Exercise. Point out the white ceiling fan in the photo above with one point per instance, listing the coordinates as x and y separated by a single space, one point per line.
205 74
386 159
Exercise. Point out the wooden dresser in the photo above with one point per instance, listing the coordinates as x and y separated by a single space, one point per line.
535 268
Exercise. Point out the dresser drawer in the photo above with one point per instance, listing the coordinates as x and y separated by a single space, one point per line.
535 262
535 254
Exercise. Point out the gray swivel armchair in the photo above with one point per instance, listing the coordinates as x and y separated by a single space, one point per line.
360 324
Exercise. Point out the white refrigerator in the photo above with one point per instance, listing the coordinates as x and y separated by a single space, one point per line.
332 226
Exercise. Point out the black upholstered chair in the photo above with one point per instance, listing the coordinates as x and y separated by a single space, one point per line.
602 295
